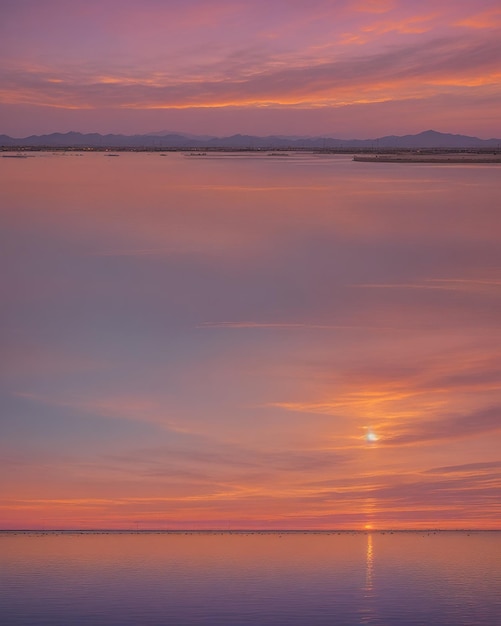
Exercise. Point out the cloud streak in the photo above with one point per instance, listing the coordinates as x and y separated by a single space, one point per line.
441 65
468 285
451 427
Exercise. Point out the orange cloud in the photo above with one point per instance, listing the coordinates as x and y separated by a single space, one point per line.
316 76
489 19
418 24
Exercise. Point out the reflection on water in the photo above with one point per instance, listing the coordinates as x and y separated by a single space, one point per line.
367 613
369 568
240 578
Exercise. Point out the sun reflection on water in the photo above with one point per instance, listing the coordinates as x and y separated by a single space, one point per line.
367 613
369 567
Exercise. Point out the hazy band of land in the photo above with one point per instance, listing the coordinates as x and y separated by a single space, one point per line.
439 156
164 140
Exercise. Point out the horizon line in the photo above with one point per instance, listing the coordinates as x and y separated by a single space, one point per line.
246 530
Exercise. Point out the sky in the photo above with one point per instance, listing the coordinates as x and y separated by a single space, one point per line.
339 68
249 341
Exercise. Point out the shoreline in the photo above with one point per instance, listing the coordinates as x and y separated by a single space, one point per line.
414 157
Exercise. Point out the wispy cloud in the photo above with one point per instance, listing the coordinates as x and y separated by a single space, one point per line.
275 325
469 285
125 407
468 468
449 427
404 71
488 19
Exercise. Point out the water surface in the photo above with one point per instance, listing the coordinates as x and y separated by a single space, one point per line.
418 578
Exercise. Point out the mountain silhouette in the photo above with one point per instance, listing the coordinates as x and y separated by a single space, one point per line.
426 139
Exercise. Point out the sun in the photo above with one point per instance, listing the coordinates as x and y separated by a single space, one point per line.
370 436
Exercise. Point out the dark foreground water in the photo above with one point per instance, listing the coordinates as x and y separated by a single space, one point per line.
235 578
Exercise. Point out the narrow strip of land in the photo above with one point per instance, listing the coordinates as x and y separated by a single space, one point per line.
434 157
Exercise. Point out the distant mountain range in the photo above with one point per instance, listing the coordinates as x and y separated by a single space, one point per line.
427 139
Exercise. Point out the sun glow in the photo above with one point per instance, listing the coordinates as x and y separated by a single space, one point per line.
370 436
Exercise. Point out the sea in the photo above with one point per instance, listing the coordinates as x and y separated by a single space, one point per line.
218 578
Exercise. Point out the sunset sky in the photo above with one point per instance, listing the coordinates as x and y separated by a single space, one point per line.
249 341
344 68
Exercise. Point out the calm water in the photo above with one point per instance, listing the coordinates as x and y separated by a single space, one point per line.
441 578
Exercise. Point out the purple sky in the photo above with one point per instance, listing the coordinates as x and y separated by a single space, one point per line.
360 68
